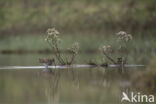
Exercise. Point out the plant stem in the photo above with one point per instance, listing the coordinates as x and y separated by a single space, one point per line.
109 58
57 53
72 58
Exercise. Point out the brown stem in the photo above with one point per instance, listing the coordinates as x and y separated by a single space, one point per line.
125 59
57 53
72 58
109 58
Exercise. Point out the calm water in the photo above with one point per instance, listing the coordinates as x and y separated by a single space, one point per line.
64 86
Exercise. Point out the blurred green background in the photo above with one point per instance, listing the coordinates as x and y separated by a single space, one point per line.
77 16
92 23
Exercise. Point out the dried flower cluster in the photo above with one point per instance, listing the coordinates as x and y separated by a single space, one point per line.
52 35
124 36
106 48
52 31
75 47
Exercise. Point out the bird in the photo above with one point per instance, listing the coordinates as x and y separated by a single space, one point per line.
47 62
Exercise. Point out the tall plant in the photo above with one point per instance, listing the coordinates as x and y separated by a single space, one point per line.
123 39
54 41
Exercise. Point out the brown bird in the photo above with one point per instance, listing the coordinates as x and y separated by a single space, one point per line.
47 62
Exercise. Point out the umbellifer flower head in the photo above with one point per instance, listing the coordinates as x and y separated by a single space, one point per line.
124 36
121 33
75 48
52 35
52 31
106 48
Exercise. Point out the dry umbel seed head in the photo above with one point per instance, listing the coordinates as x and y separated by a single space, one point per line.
52 31
105 48
75 48
124 36
52 35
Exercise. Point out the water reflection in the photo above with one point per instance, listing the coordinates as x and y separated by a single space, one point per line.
51 86
97 79
67 86
83 86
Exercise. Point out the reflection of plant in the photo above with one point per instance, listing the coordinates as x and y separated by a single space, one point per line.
54 41
123 38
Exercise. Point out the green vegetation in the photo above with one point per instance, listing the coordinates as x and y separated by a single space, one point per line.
91 23
82 16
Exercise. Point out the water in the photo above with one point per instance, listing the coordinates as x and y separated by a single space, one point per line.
67 86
